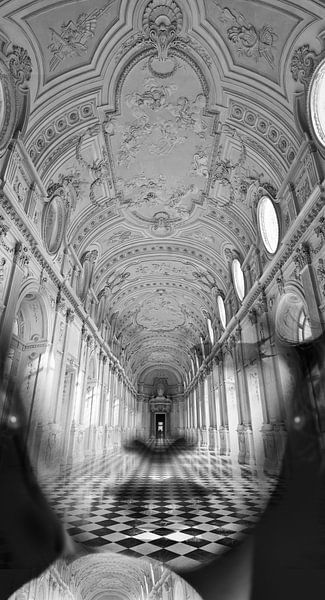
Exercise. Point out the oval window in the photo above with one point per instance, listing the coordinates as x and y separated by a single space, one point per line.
222 311
53 225
316 103
238 278
268 224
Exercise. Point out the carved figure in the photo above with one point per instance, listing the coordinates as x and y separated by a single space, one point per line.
200 163
99 169
73 37
248 39
237 176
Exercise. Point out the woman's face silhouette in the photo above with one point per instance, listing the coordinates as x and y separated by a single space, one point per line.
177 474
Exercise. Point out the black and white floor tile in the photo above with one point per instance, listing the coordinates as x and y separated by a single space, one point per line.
180 508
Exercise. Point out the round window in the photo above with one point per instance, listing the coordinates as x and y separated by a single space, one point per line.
222 311
238 278
316 102
268 224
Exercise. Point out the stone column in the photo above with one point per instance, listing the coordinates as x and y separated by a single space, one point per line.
140 425
224 426
76 445
245 433
194 415
273 402
181 416
69 317
19 270
198 414
204 437
212 411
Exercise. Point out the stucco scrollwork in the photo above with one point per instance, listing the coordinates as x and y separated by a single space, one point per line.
20 65
161 223
301 257
303 63
250 41
72 38
238 176
99 169
320 270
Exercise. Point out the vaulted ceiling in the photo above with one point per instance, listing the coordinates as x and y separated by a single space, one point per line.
164 117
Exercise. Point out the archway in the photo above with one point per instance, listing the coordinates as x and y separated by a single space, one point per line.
30 366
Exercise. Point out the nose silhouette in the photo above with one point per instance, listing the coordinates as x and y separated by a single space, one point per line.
31 536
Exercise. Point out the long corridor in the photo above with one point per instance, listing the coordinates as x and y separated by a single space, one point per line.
167 501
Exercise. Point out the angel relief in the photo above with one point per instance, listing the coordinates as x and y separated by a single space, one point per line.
161 121
99 169
155 97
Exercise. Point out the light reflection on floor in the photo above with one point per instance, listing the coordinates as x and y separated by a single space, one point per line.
177 505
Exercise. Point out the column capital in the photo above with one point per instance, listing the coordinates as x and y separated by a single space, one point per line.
70 315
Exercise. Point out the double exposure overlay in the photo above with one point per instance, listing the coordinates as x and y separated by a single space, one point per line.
162 299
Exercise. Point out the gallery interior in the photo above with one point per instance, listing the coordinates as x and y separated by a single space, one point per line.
162 244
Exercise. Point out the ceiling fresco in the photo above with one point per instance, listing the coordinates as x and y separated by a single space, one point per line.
161 145
161 120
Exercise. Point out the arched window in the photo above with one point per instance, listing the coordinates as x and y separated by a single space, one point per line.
268 224
238 278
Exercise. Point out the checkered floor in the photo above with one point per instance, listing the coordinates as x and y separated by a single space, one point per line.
178 506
